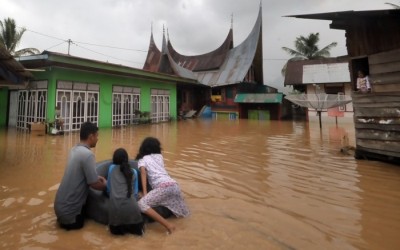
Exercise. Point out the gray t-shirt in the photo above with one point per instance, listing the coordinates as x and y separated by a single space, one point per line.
122 210
74 187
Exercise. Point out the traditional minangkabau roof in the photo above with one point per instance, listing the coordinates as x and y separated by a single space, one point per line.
153 56
208 61
12 72
224 66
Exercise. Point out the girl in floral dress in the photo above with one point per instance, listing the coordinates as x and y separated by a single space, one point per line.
165 190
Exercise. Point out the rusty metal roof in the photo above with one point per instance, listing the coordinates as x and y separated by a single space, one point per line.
153 56
342 18
11 71
237 62
223 66
208 61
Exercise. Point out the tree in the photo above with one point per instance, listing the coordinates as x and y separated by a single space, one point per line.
10 38
395 6
307 48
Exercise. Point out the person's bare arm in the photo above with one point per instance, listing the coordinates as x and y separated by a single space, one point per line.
143 175
154 215
100 184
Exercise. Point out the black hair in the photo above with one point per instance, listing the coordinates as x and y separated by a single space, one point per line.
121 158
150 145
87 128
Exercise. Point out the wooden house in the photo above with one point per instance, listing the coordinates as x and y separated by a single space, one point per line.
373 45
221 74
13 76
325 75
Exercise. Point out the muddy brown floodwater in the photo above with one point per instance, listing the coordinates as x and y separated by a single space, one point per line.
248 184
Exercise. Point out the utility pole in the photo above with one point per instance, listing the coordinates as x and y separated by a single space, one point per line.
69 44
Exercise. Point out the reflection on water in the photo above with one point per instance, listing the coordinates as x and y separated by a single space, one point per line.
249 184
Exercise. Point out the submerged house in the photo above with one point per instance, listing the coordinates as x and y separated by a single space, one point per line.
373 45
13 76
230 78
325 75
87 90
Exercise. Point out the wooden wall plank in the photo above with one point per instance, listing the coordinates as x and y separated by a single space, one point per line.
373 97
385 88
385 57
375 100
380 152
392 77
384 68
394 104
377 120
388 146
376 126
378 135
377 112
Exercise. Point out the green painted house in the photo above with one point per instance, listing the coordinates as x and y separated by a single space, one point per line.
79 90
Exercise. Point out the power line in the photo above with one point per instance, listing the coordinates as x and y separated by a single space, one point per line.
69 41
55 45
112 47
92 44
43 34
105 54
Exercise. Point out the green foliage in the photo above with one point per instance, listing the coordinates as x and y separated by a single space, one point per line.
10 38
306 48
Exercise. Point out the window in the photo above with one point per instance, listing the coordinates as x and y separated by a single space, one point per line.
126 100
357 65
78 102
32 104
160 110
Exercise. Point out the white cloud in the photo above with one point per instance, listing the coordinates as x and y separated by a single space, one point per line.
195 26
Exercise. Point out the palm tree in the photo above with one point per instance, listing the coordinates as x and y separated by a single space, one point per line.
306 49
395 6
10 38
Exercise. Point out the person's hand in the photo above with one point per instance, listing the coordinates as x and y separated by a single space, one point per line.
102 179
170 228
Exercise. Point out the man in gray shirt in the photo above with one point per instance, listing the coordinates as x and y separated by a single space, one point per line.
79 175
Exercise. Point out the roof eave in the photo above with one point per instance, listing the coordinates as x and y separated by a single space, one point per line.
66 61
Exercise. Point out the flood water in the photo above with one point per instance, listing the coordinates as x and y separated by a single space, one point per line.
248 184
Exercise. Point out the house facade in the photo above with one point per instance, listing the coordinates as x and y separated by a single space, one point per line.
325 75
373 46
87 90
13 76
221 74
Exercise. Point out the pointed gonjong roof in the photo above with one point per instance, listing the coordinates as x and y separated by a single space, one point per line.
224 66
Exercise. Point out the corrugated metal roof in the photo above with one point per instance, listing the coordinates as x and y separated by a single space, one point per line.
294 69
350 14
207 68
208 61
237 62
342 19
153 56
326 73
11 71
259 98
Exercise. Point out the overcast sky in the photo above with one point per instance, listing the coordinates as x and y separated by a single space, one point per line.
195 26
